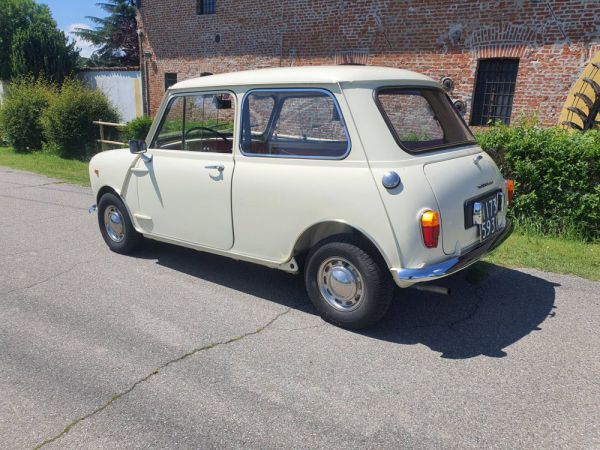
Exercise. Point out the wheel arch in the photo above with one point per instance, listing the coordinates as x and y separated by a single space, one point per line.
107 190
318 232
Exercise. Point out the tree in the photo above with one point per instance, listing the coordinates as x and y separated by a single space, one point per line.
116 35
17 15
42 50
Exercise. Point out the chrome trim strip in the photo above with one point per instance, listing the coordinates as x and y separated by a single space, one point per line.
433 271
402 277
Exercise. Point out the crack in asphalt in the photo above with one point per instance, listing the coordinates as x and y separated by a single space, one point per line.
30 186
310 327
42 202
50 278
156 371
43 186
480 299
37 250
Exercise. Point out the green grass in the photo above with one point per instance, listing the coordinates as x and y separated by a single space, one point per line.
69 170
522 249
549 254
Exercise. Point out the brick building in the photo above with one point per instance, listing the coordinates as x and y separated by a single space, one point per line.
505 57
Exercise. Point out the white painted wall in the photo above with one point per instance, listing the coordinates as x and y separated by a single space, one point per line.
3 85
123 88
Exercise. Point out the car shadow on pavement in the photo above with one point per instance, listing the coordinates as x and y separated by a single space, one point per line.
489 309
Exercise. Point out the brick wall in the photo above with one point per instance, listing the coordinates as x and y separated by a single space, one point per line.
553 39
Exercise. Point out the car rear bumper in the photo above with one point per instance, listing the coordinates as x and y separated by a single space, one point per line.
407 277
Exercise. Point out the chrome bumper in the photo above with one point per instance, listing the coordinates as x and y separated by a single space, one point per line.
406 277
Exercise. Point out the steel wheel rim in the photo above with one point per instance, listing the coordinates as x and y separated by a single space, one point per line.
114 224
341 284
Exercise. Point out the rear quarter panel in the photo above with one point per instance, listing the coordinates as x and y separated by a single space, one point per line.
404 204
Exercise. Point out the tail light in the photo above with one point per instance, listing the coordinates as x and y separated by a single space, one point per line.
510 189
430 226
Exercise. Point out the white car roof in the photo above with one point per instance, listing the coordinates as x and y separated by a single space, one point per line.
308 75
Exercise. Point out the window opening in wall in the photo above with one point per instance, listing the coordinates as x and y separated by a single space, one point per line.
204 7
494 91
170 80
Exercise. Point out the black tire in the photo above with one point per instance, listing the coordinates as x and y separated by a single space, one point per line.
131 239
377 283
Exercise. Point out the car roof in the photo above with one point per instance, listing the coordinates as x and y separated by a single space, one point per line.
308 75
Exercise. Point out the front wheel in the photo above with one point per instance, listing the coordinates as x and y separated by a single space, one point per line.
347 285
115 225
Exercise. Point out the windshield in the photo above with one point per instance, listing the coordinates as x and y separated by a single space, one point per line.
422 119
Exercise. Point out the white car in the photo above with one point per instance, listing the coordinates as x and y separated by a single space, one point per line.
359 177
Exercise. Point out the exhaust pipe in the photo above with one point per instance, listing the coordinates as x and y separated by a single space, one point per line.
426 287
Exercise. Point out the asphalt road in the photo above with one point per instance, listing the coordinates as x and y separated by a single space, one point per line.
178 349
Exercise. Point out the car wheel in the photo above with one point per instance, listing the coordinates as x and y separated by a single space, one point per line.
115 225
347 285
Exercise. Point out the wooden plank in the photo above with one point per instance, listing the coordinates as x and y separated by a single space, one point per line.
103 141
110 124
101 137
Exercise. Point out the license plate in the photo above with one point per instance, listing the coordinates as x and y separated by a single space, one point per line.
485 215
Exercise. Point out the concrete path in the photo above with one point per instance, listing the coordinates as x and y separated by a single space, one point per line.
176 349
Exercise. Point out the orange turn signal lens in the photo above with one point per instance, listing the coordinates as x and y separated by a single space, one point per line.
510 190
430 226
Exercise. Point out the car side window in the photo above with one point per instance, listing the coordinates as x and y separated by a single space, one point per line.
198 123
293 123
169 136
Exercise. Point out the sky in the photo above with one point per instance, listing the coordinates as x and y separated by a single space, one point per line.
71 14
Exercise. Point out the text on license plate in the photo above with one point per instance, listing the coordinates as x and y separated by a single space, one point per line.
485 214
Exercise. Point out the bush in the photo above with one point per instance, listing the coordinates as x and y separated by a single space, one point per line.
137 129
68 121
20 116
557 177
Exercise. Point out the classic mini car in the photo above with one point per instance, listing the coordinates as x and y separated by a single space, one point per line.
359 177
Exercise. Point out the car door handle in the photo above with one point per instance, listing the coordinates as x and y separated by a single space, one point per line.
219 167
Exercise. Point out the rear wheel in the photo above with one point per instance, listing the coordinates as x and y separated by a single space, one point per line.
347 285
115 225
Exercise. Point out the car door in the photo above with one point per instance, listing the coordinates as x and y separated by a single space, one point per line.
185 189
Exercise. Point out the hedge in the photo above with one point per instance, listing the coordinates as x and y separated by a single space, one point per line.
557 177
68 121
21 112
137 129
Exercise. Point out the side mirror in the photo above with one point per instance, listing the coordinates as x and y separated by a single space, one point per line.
137 147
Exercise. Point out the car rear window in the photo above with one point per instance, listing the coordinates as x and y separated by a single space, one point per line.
422 119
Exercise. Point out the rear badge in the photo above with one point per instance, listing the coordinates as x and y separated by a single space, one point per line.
481 186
